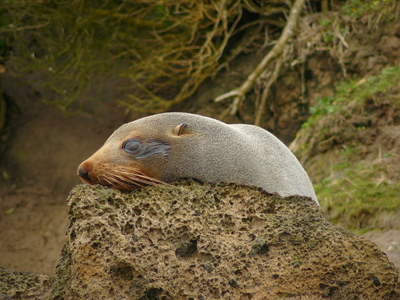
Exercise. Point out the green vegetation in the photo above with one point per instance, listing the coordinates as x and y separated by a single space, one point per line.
354 90
159 47
163 50
359 8
349 144
159 51
357 192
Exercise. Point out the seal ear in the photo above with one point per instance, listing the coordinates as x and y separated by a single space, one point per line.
181 129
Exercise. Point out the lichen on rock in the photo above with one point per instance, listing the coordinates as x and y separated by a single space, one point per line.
196 241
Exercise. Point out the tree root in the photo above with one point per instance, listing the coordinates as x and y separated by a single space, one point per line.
239 94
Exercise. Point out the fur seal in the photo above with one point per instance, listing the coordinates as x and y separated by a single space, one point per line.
164 147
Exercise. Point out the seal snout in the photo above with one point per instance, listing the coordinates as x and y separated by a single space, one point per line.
120 177
83 173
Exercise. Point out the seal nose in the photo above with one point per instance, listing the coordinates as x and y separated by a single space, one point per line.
83 173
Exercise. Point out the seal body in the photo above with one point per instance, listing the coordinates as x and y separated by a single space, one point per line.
168 146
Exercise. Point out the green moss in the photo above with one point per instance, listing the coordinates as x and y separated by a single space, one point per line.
356 193
350 150
359 8
353 90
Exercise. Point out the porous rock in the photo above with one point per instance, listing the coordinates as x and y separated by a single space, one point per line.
23 285
194 241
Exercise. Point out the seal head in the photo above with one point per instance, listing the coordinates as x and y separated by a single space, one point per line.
165 147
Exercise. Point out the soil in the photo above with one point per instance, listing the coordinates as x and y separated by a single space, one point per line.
40 152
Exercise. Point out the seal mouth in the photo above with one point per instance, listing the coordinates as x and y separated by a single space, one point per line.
120 178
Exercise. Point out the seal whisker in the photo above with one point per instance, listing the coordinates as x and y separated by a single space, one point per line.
122 182
144 179
128 173
108 181
138 176
140 180
121 178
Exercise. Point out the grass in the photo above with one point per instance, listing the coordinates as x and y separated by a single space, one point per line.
356 193
351 90
358 182
359 8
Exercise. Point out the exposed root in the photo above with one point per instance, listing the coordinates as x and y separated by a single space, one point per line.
275 52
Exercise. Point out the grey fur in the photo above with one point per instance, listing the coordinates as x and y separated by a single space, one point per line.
215 151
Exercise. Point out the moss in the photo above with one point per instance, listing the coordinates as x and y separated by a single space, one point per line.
359 8
350 148
356 194
355 90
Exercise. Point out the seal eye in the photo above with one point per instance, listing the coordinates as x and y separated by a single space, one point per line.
131 146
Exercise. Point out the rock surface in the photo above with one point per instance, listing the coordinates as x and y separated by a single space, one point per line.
23 285
193 241
201 242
